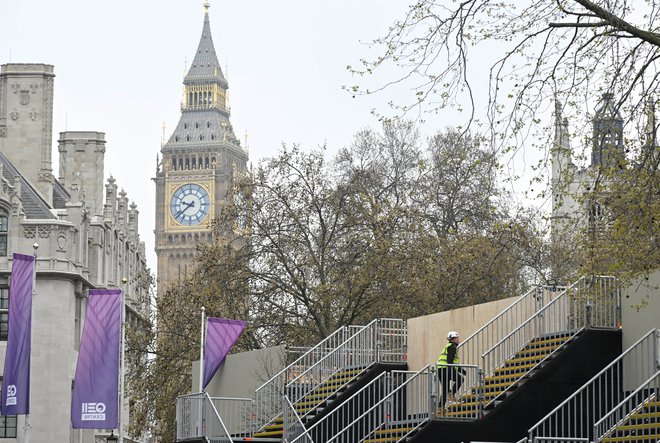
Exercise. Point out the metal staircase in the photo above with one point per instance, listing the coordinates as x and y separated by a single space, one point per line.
314 381
517 349
324 396
635 419
574 418
395 405
485 396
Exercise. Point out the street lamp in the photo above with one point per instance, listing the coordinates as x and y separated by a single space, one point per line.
112 438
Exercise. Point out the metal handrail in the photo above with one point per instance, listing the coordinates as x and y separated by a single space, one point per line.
563 314
501 325
360 351
237 413
226 435
471 349
414 390
293 425
575 416
627 407
268 396
335 419
330 364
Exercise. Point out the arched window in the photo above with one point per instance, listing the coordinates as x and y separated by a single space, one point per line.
194 163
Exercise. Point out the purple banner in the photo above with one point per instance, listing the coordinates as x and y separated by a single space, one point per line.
16 376
95 390
221 334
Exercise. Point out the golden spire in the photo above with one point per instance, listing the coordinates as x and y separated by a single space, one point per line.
207 5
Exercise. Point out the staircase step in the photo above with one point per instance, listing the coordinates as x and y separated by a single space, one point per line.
391 439
630 438
500 379
652 405
642 416
397 430
519 361
464 405
463 412
549 341
655 427
487 395
266 434
518 370
536 351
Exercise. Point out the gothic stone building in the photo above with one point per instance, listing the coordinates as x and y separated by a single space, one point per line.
87 236
570 210
199 162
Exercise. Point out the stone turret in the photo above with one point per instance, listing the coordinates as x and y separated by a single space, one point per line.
110 199
82 154
561 150
26 122
607 132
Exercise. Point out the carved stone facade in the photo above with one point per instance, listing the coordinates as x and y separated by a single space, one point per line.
87 236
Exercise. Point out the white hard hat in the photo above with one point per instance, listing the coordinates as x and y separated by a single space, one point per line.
452 334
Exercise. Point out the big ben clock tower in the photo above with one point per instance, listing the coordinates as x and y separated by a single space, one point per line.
198 163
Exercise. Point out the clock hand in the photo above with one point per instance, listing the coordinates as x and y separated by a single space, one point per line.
188 205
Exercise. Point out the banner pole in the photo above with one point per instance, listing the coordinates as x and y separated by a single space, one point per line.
122 347
201 352
26 428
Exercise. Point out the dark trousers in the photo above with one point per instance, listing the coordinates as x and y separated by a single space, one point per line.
446 376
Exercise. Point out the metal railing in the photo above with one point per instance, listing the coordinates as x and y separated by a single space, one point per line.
573 419
505 322
237 415
197 416
404 408
268 397
339 417
589 302
293 425
633 403
392 341
467 403
382 340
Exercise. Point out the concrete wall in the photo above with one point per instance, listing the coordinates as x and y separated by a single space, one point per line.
640 307
427 335
241 374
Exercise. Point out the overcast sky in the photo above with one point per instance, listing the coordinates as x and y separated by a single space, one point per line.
119 69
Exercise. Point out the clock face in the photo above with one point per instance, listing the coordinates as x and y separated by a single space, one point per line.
190 204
